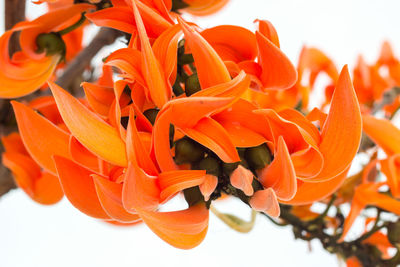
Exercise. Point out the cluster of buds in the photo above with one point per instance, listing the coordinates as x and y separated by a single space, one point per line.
192 112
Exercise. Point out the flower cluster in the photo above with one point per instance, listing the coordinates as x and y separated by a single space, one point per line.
202 113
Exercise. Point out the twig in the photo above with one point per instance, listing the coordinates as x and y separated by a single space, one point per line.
75 68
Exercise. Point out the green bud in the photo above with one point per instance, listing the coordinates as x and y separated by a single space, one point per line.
51 43
151 115
193 195
228 168
188 151
257 157
210 164
192 84
394 233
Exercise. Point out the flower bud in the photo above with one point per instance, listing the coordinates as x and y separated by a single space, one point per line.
257 157
51 43
192 84
188 151
210 164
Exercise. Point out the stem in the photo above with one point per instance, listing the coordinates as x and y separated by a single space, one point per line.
75 68
74 26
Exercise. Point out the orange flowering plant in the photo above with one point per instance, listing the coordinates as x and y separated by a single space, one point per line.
200 115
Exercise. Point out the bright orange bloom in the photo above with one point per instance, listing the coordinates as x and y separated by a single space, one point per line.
30 68
210 114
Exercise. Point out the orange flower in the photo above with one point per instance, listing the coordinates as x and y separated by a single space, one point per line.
31 67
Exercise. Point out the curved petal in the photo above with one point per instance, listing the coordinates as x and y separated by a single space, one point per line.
208 186
234 88
41 138
232 42
265 201
183 229
173 182
96 135
136 150
268 30
187 112
79 188
277 70
211 70
153 74
383 133
140 191
308 193
242 179
119 18
212 135
280 175
341 133
110 197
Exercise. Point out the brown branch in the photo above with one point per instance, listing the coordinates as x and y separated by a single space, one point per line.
76 67
14 12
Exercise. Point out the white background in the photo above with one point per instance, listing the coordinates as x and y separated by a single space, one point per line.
38 236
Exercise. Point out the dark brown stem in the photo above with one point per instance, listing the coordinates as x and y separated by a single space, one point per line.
76 67
314 229
14 12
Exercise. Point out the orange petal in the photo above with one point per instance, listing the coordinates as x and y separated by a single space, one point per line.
153 74
212 135
48 189
211 70
280 174
265 201
110 197
234 88
12 88
136 150
242 179
383 133
232 42
341 133
165 49
277 70
309 192
268 30
140 191
390 167
188 111
41 138
119 18
129 61
80 154
79 187
208 186
316 61
89 129
173 182
99 97
183 229
242 136
160 141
